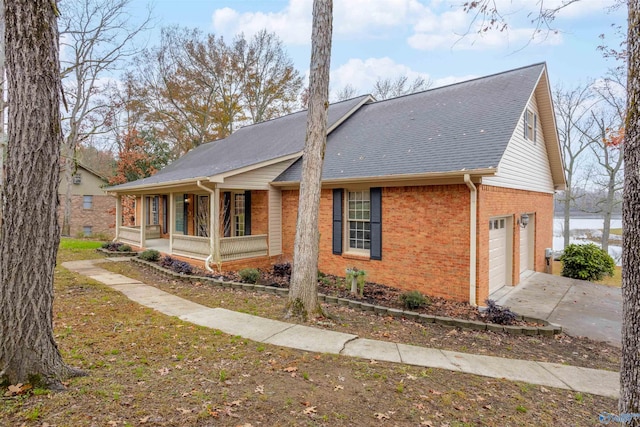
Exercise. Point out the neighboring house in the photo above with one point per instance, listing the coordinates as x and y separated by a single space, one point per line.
428 191
92 210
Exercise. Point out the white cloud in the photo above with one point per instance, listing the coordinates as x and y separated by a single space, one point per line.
292 24
362 74
433 24
449 80
457 30
355 19
368 19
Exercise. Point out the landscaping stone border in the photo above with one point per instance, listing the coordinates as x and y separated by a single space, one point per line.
548 329
116 253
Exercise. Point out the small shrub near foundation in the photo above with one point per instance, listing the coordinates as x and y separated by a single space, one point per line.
414 299
113 246
176 265
249 275
498 314
150 255
282 269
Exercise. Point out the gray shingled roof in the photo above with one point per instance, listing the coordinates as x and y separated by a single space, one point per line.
459 127
247 146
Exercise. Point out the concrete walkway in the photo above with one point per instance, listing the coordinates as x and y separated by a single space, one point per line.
583 308
593 381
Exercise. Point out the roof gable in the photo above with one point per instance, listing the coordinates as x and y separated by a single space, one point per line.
461 127
250 145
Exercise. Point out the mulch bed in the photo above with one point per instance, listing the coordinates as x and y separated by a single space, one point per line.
373 293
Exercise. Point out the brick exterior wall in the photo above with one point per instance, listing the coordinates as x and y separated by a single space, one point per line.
425 239
425 236
505 202
101 217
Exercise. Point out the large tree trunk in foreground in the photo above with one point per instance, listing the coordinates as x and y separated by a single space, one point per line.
630 366
303 291
30 234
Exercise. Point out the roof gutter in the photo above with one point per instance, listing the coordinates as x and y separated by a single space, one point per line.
472 238
212 240
156 186
395 178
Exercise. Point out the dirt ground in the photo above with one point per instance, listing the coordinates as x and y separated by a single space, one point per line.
557 349
148 369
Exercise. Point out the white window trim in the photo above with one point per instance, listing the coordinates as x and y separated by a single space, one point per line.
530 125
232 213
346 236
84 201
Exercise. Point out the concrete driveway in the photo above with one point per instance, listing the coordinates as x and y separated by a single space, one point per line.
581 308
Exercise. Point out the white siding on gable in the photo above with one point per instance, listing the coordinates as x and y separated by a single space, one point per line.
257 179
525 163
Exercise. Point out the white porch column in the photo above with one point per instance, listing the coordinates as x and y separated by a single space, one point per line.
118 216
143 224
172 220
215 224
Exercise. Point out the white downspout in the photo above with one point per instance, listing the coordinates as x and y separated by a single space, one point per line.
472 239
211 233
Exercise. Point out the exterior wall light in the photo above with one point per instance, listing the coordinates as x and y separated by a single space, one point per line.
524 220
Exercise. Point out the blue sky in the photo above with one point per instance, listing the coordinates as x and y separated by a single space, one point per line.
388 38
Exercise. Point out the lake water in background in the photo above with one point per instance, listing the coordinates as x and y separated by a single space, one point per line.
580 226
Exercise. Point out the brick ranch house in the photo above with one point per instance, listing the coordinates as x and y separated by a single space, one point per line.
448 191
91 207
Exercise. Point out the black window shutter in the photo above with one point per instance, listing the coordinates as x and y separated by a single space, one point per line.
337 221
226 203
165 204
247 213
376 222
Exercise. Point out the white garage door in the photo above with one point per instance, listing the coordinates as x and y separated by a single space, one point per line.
526 246
497 254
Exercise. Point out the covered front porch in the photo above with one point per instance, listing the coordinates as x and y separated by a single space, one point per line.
203 222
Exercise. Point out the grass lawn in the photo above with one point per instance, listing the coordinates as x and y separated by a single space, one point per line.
616 231
71 249
145 368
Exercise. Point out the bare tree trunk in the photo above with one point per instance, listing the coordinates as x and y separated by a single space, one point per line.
30 234
630 365
566 204
67 170
608 208
303 292
3 139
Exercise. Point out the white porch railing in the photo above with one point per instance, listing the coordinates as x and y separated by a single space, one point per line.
234 248
191 246
130 235
152 232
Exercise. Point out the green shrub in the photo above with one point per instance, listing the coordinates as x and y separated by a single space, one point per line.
586 262
249 275
414 299
124 248
150 255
